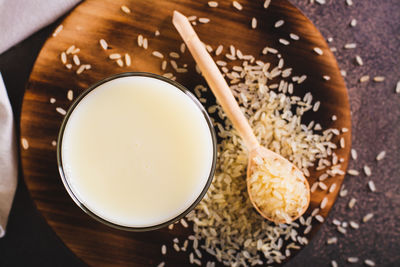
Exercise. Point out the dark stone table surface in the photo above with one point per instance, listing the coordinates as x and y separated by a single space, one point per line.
375 107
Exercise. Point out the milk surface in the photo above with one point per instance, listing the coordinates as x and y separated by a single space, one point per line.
137 151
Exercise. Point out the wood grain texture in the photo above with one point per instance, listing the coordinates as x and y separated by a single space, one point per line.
97 244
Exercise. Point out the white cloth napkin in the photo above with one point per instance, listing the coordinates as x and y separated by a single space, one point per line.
18 20
8 158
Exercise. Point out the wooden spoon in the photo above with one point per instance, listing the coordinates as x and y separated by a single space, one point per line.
224 95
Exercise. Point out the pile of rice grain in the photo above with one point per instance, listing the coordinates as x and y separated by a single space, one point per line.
225 220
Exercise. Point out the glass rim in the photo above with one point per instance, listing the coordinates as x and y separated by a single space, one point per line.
74 196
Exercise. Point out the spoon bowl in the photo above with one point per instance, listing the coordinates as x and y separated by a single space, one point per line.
280 162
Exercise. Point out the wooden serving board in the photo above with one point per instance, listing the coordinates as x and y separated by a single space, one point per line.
93 242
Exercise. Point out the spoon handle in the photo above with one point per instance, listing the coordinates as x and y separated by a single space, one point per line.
215 80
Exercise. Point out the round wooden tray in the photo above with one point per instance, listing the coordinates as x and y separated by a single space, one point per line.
93 242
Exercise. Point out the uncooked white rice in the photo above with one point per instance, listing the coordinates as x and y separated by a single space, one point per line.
184 223
52 100
284 41
103 44
381 155
68 66
332 188
379 79
367 170
70 95
367 217
80 69
163 249
354 154
350 46
115 56
334 117
161 264
125 9
371 186
352 259
127 59
353 172
341 230
58 30
253 23
353 22
63 57
322 186
334 263
326 77
212 3
352 202
54 143
174 55
182 48
145 43
120 62
359 60
24 143
164 65
324 202
157 33
279 23
237 5
331 240
342 142
140 40
318 50
397 90
354 225
294 36
76 60
204 20
61 110
266 3
349 2
157 54
364 78
319 218
369 262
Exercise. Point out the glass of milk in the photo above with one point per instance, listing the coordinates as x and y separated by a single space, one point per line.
136 151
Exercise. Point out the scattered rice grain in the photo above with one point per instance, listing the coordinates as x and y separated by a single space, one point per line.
157 54
367 170
103 44
284 41
367 217
204 20
125 9
279 23
381 155
318 51
352 259
379 79
371 186
253 23
350 45
237 5
352 202
127 59
58 30
369 262
76 60
61 110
